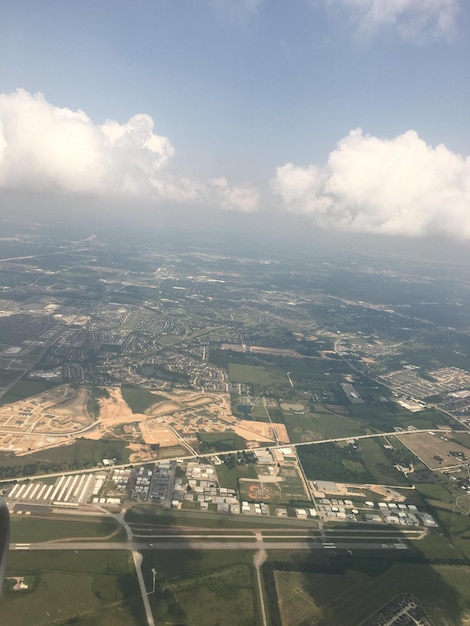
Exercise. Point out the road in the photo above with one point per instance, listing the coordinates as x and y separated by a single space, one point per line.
401 433
258 560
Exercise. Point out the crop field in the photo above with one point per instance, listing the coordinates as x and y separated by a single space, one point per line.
222 582
81 588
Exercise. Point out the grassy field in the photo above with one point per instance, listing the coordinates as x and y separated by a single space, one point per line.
220 442
377 463
256 375
84 588
139 400
332 462
31 530
321 424
149 514
228 476
25 389
222 582
81 454
303 596
355 591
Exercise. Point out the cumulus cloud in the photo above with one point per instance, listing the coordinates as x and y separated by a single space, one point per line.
413 19
44 148
399 186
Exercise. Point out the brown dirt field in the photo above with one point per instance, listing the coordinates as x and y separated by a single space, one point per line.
114 408
260 431
427 446
157 433
76 406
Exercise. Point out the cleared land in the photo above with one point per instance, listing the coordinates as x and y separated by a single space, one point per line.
59 416
437 452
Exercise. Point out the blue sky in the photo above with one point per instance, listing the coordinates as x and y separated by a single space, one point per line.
239 89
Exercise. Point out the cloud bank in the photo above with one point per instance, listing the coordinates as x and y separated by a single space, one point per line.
399 186
48 148
414 20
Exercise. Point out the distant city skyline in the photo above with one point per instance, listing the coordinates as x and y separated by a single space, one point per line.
352 113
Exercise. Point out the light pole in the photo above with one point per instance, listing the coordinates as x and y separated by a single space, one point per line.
154 573
4 539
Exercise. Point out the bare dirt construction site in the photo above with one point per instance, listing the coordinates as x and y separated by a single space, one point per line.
47 420
436 451
58 416
261 431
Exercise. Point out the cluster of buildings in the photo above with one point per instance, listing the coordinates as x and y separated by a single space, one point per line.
202 487
152 484
400 515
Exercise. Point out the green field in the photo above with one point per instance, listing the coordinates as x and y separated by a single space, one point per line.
228 476
25 389
349 591
321 424
328 461
84 588
262 375
139 400
202 588
81 454
220 442
32 530
151 514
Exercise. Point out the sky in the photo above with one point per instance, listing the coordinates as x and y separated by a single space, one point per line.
350 115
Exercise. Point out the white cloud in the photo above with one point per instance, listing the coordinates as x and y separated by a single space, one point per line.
397 186
44 148
414 19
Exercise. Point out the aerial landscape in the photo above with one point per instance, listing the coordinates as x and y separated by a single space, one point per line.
235 383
